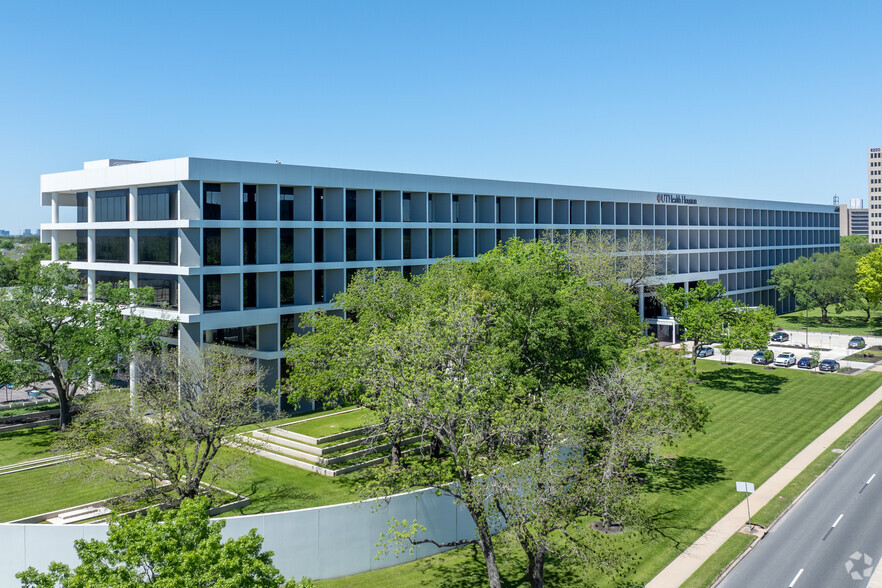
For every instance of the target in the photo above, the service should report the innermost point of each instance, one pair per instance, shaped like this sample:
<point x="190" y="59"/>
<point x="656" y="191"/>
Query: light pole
<point x="806" y="327"/>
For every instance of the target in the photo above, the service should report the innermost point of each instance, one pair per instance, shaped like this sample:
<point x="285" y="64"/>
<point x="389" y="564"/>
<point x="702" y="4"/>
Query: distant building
<point x="854" y="219"/>
<point x="4" y="233"/>
<point x="27" y="233"/>
<point x="874" y="184"/>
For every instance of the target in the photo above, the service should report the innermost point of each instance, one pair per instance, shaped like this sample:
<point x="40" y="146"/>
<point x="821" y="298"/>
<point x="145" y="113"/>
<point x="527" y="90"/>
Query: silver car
<point x="785" y="359"/>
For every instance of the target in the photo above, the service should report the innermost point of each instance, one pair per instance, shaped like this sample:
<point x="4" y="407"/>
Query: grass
<point x="274" y="486"/>
<point x="27" y="410"/>
<point x="853" y="322"/>
<point x="26" y="444"/>
<point x="868" y="355"/>
<point x="760" y="420"/>
<point x="43" y="490"/>
<point x="709" y="570"/>
<point x="333" y="424"/>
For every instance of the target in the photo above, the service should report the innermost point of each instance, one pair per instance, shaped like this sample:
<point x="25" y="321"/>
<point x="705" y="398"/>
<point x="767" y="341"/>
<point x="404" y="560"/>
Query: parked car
<point x="780" y="337"/>
<point x="806" y="363"/>
<point x="760" y="357"/>
<point x="785" y="359"/>
<point x="705" y="351"/>
<point x="857" y="343"/>
<point x="828" y="365"/>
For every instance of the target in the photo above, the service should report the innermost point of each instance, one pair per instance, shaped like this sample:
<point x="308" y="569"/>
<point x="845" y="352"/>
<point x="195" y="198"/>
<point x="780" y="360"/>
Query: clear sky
<point x="757" y="99"/>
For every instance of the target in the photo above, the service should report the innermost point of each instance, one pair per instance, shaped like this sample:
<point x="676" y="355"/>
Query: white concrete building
<point x="237" y="251"/>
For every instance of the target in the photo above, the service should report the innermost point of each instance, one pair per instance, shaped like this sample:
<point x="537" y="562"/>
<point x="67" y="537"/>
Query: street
<point x="832" y="536"/>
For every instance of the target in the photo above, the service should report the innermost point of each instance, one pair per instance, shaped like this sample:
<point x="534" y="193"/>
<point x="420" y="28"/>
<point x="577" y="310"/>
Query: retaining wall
<point x="322" y="542"/>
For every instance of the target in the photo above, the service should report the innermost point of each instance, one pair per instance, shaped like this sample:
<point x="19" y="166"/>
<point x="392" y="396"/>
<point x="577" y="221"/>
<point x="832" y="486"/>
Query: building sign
<point x="675" y="199"/>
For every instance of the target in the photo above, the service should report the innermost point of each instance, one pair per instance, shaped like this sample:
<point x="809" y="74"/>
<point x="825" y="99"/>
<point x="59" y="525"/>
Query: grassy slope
<point x="333" y="424"/>
<point x="26" y="444"/>
<point x="761" y="419"/>
<point x="853" y="322"/>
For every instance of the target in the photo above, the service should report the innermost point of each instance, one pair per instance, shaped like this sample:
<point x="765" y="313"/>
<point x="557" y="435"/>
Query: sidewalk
<point x="679" y="570"/>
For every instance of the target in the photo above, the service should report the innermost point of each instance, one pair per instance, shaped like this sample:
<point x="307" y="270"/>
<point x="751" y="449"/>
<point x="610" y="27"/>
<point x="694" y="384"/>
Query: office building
<point x="874" y="192"/>
<point x="237" y="251"/>
<point x="854" y="219"/>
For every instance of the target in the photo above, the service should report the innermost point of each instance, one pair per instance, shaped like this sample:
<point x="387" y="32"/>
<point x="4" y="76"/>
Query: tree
<point x="47" y="331"/>
<point x="478" y="356"/>
<point x="707" y="315"/>
<point x="631" y="262"/>
<point x="177" y="548"/>
<point x="869" y="271"/>
<point x="169" y="432"/>
<point x="855" y="245"/>
<point x="819" y="281"/>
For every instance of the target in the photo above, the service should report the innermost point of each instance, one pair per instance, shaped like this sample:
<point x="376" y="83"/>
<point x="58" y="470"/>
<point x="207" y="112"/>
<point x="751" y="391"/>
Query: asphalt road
<point x="832" y="537"/>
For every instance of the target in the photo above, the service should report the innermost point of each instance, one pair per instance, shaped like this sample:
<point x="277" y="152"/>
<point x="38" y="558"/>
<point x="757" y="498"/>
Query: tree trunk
<point x="824" y="318"/>
<point x="536" y="568"/>
<point x="868" y="314"/>
<point x="434" y="447"/>
<point x="485" y="540"/>
<point x="396" y="451"/>
<point x="64" y="416"/>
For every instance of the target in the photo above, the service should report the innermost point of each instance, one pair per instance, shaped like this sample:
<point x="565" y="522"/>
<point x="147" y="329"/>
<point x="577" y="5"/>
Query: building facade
<point x="237" y="251"/>
<point x="874" y="192"/>
<point x="854" y="219"/>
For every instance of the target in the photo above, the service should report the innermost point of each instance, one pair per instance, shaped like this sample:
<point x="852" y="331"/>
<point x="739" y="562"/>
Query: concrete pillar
<point x="133" y="246"/>
<point x="55" y="212"/>
<point x="133" y="208"/>
<point x="641" y="302"/>
<point x="54" y="246"/>
<point x="90" y="206"/>
<point x="90" y="246"/>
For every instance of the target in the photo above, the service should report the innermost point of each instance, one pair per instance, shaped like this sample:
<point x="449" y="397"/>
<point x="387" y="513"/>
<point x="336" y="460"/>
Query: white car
<point x="786" y="359"/>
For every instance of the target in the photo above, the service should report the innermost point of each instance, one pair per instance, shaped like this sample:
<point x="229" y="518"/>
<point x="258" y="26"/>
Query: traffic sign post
<point x="747" y="488"/>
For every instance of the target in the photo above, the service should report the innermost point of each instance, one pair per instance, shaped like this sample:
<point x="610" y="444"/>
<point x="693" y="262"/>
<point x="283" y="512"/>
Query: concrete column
<point x="90" y="285"/>
<point x="90" y="246"/>
<point x="133" y="208"/>
<point x="133" y="246"/>
<point x="90" y="206"/>
<point x="55" y="212"/>
<point x="640" y="302"/>
<point x="54" y="246"/>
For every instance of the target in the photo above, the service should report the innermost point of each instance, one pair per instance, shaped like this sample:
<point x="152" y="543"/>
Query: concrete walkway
<point x="679" y="570"/>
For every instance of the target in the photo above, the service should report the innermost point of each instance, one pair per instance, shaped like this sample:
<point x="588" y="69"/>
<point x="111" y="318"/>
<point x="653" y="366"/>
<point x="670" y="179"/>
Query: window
<point x="158" y="246"/>
<point x="211" y="246"/>
<point x="165" y="288"/>
<point x="82" y="207"/>
<point x="211" y="292"/>
<point x="286" y="203"/>
<point x="249" y="246"/>
<point x="249" y="202"/>
<point x="211" y="201"/>
<point x="235" y="337"/>
<point x="286" y="288"/>
<point x="111" y="206"/>
<point x="157" y="203"/>
<point x="112" y="245"/>
<point x="249" y="290"/>
<point x="82" y="245"/>
<point x="286" y="245"/>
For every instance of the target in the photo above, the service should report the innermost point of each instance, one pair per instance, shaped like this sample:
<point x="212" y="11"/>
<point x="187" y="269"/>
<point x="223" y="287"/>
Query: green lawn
<point x="26" y="444"/>
<point x="714" y="566"/>
<point x="274" y="486"/>
<point x="852" y="322"/>
<point x="27" y="410"/>
<point x="43" y="490"/>
<point x="329" y="425"/>
<point x="760" y="420"/>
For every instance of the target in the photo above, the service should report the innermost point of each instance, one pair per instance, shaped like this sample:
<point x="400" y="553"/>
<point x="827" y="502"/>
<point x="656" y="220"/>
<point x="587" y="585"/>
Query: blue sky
<point x="767" y="100"/>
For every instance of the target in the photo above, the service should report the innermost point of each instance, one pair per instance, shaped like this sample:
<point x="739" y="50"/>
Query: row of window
<point x="154" y="203"/>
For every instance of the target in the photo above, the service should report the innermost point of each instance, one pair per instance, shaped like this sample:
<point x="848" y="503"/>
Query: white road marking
<point x="795" y="578"/>
<point x="839" y="518"/>
<point x="870" y="480"/>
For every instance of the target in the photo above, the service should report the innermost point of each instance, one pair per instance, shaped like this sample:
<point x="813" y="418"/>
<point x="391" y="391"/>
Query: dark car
<point x="760" y="358"/>
<point x="705" y="351"/>
<point x="780" y="337"/>
<point x="828" y="365"/>
<point x="857" y="343"/>
<point x="805" y="363"/>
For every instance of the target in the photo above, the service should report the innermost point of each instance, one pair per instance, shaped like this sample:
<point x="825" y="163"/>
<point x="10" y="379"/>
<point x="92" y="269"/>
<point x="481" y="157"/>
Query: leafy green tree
<point x="815" y="354"/>
<point x="855" y="245"/>
<point x="819" y="281"/>
<point x="48" y="332"/>
<point x="193" y="403"/>
<point x="178" y="548"/>
<point x="869" y="271"/>
<point x="6" y="244"/>
<point x="707" y="315"/>
<point x="478" y="356"/>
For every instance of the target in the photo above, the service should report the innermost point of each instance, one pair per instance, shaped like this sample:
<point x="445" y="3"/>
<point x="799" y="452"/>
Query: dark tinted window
<point x="158" y="203"/>
<point x="111" y="206"/>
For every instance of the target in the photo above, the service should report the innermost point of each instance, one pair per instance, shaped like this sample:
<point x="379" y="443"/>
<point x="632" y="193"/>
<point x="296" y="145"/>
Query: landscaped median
<point x="760" y="420"/>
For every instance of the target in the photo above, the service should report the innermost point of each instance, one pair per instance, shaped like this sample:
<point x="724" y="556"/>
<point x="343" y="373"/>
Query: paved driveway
<point x="832" y="346"/>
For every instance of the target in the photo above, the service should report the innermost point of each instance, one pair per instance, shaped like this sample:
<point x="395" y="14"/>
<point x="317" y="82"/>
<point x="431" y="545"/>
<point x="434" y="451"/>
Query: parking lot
<point x="832" y="346"/>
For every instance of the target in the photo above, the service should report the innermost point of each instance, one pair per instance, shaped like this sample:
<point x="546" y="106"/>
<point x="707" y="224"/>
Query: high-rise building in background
<point x="854" y="218"/>
<point x="874" y="184"/>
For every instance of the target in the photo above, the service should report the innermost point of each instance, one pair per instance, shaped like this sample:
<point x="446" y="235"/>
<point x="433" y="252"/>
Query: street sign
<point x="744" y="487"/>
